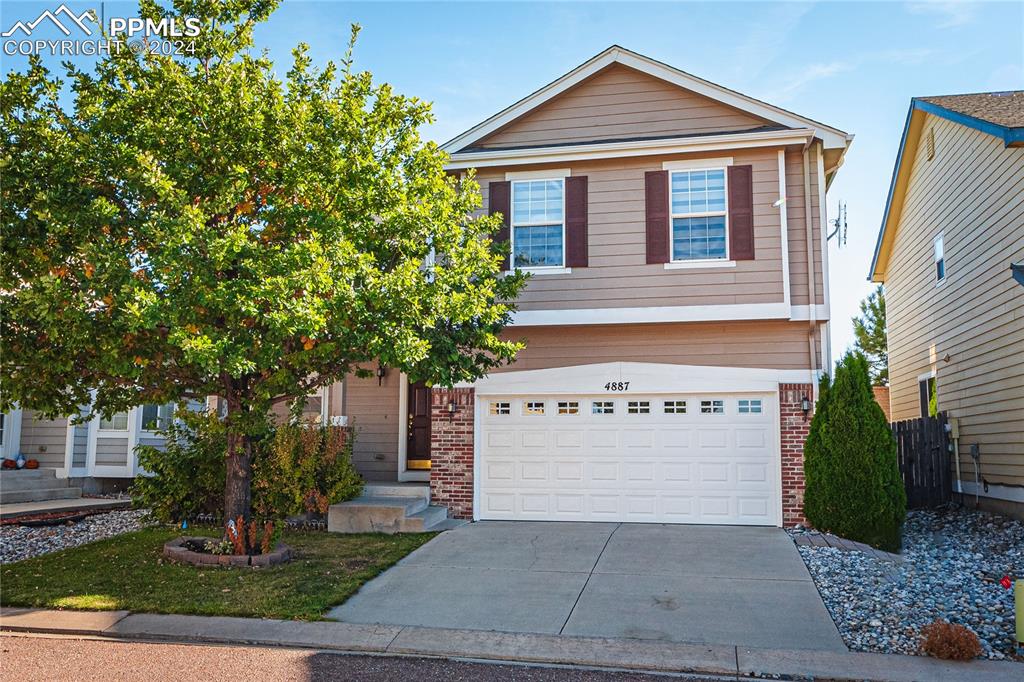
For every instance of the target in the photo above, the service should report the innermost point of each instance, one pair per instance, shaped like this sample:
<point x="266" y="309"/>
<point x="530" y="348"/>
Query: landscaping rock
<point x="953" y="561"/>
<point x="23" y="542"/>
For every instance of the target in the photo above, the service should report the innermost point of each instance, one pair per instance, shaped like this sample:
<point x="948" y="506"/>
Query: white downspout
<point x="812" y="293"/>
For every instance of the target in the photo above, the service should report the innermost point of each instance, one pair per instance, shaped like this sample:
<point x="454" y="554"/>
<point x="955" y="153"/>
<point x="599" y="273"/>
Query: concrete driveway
<point x="734" y="585"/>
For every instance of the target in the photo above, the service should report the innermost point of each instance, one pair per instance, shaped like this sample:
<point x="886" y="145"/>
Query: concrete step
<point x="80" y="504"/>
<point x="424" y="520"/>
<point x="373" y="514"/>
<point x="397" y="490"/>
<point x="14" y="483"/>
<point x="18" y="496"/>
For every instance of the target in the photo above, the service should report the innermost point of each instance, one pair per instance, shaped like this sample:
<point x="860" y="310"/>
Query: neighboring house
<point x="676" y="321"/>
<point x="953" y="226"/>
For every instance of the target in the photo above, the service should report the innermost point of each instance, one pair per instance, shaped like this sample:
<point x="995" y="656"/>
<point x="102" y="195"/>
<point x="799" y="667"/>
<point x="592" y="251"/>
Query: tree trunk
<point x="237" y="484"/>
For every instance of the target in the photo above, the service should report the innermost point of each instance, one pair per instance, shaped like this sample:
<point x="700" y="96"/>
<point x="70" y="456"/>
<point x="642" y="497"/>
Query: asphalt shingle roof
<point x="1001" y="108"/>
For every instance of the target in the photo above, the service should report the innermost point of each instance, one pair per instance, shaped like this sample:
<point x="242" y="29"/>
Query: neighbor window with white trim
<point x="157" y="417"/>
<point x="698" y="208"/>
<point x="117" y="422"/>
<point x="538" y="225"/>
<point x="940" y="260"/>
<point x="749" y="407"/>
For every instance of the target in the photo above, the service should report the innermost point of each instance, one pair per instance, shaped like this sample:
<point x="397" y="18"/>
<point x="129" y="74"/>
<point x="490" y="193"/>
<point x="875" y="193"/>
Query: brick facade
<point x="451" y="451"/>
<point x="794" y="428"/>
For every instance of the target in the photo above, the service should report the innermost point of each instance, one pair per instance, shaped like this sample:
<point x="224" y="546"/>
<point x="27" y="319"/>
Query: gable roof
<point x="1000" y="114"/>
<point x="833" y="138"/>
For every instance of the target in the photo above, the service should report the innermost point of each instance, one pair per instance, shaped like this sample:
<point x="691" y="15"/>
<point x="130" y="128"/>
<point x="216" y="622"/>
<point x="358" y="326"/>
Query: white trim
<point x="995" y="491"/>
<point x="695" y="264"/>
<point x="823" y="228"/>
<point x="696" y="164"/>
<point x="784" y="227"/>
<point x="803" y="312"/>
<point x="550" y="174"/>
<point x="90" y="443"/>
<point x="926" y="375"/>
<point x="545" y="177"/>
<point x="553" y="270"/>
<point x="477" y="421"/>
<point x="828" y="347"/>
<point x="403" y="434"/>
<point x="833" y="137"/>
<point x="705" y="214"/>
<point x="683" y="313"/>
<point x="134" y="431"/>
<point x="613" y="150"/>
<point x="644" y="378"/>
<point x="12" y="434"/>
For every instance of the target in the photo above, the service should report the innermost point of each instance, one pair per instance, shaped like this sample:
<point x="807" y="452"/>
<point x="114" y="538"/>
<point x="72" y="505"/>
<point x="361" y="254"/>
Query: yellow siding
<point x="973" y="193"/>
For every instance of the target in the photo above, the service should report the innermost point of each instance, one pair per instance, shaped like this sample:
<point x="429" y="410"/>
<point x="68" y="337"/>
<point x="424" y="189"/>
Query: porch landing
<point x="390" y="508"/>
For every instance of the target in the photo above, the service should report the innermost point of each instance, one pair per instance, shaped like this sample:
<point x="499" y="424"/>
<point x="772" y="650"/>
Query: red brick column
<point x="451" y="451"/>
<point x="795" y="426"/>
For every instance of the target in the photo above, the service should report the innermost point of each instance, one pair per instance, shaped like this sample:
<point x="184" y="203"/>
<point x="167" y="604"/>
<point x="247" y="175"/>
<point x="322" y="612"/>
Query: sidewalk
<point x="629" y="654"/>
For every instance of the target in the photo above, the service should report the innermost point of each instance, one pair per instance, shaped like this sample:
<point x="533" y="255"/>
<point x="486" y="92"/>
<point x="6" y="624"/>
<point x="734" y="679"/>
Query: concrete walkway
<point x="78" y="504"/>
<point x="732" y="585"/>
<point x="626" y="654"/>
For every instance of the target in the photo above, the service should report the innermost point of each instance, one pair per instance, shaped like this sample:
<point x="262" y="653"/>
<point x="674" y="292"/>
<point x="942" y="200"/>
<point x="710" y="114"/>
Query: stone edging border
<point x="174" y="551"/>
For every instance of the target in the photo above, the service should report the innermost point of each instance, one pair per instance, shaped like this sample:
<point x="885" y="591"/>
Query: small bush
<point x="951" y="641"/>
<point x="297" y="469"/>
<point x="853" y="484"/>
<point x="186" y="478"/>
<point x="304" y="469"/>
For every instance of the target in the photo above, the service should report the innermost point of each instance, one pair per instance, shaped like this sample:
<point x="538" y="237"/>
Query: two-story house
<point x="676" y="319"/>
<point x="953" y="227"/>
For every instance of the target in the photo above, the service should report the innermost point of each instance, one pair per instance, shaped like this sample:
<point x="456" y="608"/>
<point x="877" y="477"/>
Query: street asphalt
<point x="62" y="659"/>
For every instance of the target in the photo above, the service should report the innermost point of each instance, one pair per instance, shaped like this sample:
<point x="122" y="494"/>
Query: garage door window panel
<point x="602" y="407"/>
<point x="533" y="408"/>
<point x="638" y="407"/>
<point x="749" y="407"/>
<point x="568" y="407"/>
<point x="675" y="407"/>
<point x="498" y="408"/>
<point x="712" y="407"/>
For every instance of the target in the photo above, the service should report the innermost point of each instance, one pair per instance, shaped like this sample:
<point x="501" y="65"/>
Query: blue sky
<point x="849" y="64"/>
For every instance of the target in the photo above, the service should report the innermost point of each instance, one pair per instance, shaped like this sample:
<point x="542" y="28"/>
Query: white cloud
<point x="807" y="75"/>
<point x="947" y="14"/>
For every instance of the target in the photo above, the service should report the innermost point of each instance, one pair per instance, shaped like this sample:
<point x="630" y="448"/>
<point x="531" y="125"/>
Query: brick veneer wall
<point x="451" y="451"/>
<point x="795" y="426"/>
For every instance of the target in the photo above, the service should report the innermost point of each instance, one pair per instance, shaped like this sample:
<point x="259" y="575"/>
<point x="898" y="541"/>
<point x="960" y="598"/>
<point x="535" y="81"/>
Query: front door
<point x="418" y="453"/>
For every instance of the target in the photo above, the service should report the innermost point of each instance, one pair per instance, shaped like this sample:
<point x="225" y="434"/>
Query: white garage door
<point x="638" y="458"/>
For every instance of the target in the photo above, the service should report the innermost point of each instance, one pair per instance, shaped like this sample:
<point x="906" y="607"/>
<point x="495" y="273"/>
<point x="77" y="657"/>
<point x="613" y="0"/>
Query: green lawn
<point x="129" y="572"/>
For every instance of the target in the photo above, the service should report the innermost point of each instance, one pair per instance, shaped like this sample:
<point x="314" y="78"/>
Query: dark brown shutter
<point x="576" y="221"/>
<point x="500" y="201"/>
<point x="656" y="203"/>
<point x="741" y="212"/>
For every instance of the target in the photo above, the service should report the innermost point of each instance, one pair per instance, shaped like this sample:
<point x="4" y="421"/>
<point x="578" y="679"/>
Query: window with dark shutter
<point x="500" y="201"/>
<point x="656" y="207"/>
<point x="576" y="221"/>
<point x="741" y="213"/>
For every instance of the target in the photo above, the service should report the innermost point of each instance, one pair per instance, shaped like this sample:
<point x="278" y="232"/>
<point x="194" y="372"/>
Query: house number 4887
<point x="617" y="386"/>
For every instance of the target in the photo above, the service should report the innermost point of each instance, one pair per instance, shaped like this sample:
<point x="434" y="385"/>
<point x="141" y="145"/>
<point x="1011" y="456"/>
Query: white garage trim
<point x="643" y="377"/>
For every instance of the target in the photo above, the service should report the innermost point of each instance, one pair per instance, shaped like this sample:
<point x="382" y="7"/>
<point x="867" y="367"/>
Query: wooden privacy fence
<point x="922" y="449"/>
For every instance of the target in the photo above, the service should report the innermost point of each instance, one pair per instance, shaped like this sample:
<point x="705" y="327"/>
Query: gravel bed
<point x="24" y="542"/>
<point x="953" y="563"/>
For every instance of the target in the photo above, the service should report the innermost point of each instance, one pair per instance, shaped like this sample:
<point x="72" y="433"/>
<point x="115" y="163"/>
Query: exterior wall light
<point x="381" y="373"/>
<point x="452" y="408"/>
<point x="805" y="405"/>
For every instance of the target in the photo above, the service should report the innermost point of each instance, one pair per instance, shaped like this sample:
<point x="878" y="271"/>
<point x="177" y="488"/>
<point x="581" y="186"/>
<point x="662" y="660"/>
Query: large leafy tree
<point x="179" y="227"/>
<point x="870" y="336"/>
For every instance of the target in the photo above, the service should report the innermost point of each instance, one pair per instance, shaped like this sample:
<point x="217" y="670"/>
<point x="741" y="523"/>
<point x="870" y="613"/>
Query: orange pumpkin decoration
<point x="32" y="464"/>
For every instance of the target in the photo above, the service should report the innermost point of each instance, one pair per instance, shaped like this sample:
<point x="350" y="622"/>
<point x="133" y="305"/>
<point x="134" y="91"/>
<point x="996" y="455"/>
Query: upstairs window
<point x="117" y="422"/>
<point x="940" y="260"/>
<point x="698" y="206"/>
<point x="538" y="225"/>
<point x="157" y="417"/>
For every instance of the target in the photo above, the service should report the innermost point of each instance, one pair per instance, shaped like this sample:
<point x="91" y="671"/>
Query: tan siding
<point x="618" y="276"/>
<point x="619" y="103"/>
<point x="778" y="345"/>
<point x="43" y="439"/>
<point x="373" y="411"/>
<point x="111" y="451"/>
<point x="970" y="192"/>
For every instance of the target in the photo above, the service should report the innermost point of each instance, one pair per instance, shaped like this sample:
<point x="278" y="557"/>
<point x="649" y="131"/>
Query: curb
<point x="591" y="652"/>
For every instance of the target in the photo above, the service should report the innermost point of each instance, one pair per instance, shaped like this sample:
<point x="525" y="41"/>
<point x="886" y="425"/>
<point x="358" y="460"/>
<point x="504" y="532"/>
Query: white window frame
<point x="712" y="406"/>
<point x="675" y="169"/>
<point x="638" y="407"/>
<point x="674" y="407"/>
<point x="518" y="178"/>
<point x="142" y="415"/>
<point x="499" y="408"/>
<point x="567" y="407"/>
<point x="749" y="407"/>
<point x="529" y="411"/>
<point x="604" y="405"/>
<point x="120" y="432"/>
<point x="939" y="254"/>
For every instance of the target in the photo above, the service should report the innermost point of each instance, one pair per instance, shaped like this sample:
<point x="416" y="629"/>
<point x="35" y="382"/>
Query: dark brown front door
<point x="418" y="452"/>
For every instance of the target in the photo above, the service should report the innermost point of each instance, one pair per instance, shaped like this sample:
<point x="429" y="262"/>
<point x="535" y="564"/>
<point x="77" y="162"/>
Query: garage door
<point x="638" y="458"/>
